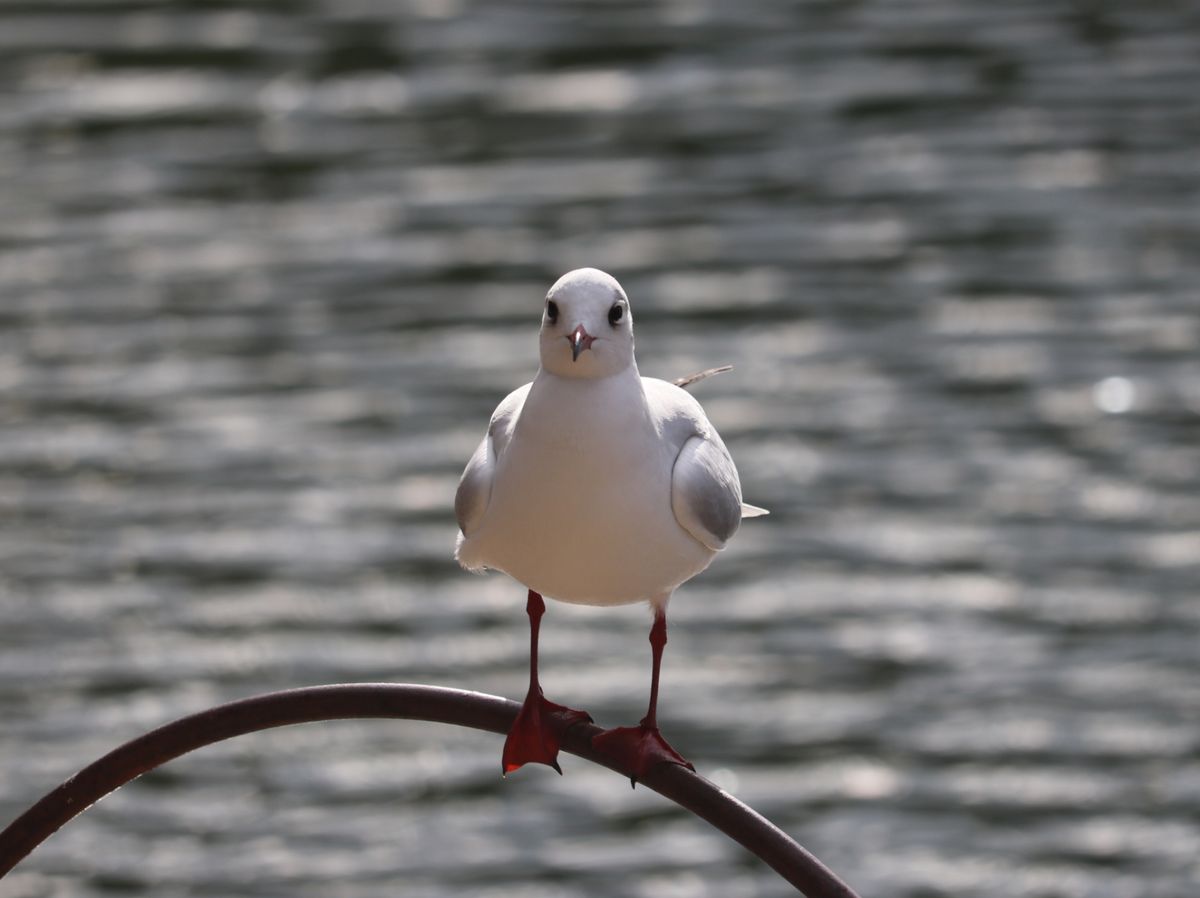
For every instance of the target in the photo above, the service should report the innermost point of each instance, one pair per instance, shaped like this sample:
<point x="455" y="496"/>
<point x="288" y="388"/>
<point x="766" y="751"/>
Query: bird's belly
<point x="588" y="534"/>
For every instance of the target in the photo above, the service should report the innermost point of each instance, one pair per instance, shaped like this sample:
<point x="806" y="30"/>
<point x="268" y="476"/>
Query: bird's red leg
<point x="536" y="733"/>
<point x="641" y="747"/>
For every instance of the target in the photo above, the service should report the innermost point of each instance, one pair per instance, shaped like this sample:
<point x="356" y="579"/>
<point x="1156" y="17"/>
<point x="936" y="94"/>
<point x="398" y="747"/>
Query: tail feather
<point x="686" y="382"/>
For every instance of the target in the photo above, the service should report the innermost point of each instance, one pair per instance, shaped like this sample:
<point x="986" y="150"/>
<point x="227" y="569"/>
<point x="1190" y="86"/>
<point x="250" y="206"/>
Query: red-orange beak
<point x="580" y="340"/>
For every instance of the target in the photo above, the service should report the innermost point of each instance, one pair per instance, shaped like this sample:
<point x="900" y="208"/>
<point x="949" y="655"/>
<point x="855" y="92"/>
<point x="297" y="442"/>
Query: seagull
<point x="596" y="486"/>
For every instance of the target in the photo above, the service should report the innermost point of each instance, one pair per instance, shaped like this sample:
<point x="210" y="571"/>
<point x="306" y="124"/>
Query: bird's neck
<point x="571" y="409"/>
<point x="624" y="379"/>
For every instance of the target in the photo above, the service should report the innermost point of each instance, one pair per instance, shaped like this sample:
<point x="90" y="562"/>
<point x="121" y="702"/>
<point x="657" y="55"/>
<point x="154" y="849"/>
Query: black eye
<point x="615" y="313"/>
<point x="551" y="311"/>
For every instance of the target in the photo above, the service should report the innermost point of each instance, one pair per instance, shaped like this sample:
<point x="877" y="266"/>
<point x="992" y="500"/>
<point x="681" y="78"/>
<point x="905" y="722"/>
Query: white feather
<point x="595" y="485"/>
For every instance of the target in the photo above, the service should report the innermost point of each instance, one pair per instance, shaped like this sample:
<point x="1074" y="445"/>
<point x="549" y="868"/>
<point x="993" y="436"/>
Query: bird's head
<point x="587" y="326"/>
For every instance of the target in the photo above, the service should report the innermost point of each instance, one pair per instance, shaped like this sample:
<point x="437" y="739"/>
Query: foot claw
<point x="638" y="749"/>
<point x="537" y="733"/>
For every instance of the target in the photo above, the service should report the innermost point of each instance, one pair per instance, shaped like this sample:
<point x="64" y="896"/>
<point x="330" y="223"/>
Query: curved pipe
<point x="391" y="700"/>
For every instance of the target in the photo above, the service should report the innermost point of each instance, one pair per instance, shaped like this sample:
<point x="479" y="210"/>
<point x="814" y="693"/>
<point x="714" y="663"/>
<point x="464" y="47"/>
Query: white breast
<point x="580" y="507"/>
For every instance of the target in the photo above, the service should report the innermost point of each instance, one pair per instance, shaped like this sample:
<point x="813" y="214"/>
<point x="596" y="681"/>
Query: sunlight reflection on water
<point x="267" y="269"/>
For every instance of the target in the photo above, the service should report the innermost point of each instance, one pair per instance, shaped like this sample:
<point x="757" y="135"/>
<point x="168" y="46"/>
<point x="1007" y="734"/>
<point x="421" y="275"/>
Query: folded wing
<point x="706" y="495"/>
<point x="475" y="487"/>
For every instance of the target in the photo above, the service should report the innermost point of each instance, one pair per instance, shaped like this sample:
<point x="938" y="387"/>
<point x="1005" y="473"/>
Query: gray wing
<point x="748" y="511"/>
<point x="706" y="495"/>
<point x="475" y="487"/>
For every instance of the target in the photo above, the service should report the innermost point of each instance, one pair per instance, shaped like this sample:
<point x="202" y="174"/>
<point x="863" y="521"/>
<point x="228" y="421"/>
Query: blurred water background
<point x="266" y="267"/>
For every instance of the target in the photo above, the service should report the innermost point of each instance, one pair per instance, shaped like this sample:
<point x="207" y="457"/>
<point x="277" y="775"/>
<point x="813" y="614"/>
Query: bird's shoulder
<point x="676" y="412"/>
<point x="505" y="417"/>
